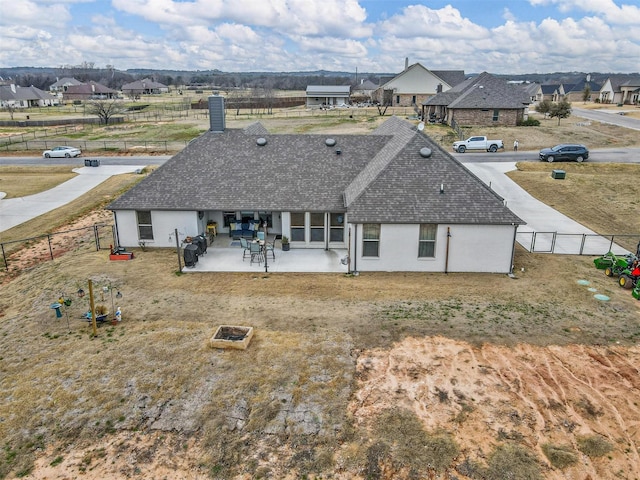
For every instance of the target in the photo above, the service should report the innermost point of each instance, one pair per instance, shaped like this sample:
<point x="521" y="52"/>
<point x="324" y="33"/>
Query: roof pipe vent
<point x="261" y="142"/>
<point x="338" y="152"/>
<point x="330" y="142"/>
<point x="425" y="152"/>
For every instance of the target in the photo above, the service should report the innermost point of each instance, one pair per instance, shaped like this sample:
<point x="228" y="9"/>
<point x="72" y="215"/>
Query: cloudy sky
<point x="499" y="36"/>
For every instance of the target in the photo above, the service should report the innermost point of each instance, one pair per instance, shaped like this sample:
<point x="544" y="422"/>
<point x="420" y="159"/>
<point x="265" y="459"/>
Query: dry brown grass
<point x="603" y="197"/>
<point x="282" y="406"/>
<point x="21" y="180"/>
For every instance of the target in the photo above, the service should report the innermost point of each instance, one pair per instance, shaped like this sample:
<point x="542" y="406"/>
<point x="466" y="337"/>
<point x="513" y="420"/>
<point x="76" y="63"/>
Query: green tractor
<point x="629" y="277"/>
<point x="614" y="265"/>
<point x="636" y="291"/>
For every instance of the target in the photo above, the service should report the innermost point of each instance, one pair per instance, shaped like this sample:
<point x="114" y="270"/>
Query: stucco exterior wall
<point x="399" y="249"/>
<point x="164" y="224"/>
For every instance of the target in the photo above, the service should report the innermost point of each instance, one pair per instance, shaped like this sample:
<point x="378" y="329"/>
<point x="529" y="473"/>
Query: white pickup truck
<point x="477" y="143"/>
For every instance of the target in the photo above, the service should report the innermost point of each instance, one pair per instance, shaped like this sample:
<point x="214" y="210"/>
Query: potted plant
<point x="285" y="243"/>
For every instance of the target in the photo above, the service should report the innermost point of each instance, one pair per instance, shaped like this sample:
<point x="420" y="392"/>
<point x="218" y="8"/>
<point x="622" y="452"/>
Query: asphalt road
<point x="605" y="155"/>
<point x="609" y="116"/>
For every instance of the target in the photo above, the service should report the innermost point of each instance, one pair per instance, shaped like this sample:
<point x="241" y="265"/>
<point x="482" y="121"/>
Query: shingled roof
<point x="483" y="91"/>
<point x="381" y="177"/>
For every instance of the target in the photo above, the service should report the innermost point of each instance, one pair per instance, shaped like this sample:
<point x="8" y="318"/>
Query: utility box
<point x="558" y="174"/>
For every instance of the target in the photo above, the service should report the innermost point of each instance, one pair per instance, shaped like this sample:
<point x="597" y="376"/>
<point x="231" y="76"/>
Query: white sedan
<point x="59" y="152"/>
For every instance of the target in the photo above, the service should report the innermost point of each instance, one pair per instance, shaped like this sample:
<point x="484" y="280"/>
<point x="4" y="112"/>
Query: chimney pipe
<point x="406" y="63"/>
<point x="216" y="114"/>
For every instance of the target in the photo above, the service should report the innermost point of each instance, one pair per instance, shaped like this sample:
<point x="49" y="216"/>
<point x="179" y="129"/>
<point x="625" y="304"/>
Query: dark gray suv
<point x="564" y="151"/>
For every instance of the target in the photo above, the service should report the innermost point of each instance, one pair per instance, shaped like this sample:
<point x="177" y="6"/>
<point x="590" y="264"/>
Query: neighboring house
<point x="393" y="198"/>
<point x="576" y="92"/>
<point x="328" y="95"/>
<point x="482" y="100"/>
<point x="533" y="91"/>
<point x="549" y="91"/>
<point x="144" y="87"/>
<point x="364" y="89"/>
<point x="25" y="97"/>
<point x="415" y="85"/>
<point x="621" y="90"/>
<point x="62" y="84"/>
<point x="88" y="91"/>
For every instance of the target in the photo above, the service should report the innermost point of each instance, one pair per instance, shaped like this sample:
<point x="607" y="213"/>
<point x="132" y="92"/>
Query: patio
<point x="225" y="255"/>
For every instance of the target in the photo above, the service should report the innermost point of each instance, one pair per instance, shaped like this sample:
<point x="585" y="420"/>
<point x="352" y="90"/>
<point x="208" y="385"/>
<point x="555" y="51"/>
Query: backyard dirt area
<point x="377" y="376"/>
<point x="386" y="376"/>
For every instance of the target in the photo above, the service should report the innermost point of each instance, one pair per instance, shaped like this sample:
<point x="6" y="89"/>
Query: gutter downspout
<point x="446" y="258"/>
<point x="116" y="234"/>
<point x="513" y="247"/>
<point x="355" y="249"/>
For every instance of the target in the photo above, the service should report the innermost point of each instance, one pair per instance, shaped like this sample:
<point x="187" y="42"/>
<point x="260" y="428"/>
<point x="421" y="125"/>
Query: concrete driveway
<point x="14" y="211"/>
<point x="551" y="230"/>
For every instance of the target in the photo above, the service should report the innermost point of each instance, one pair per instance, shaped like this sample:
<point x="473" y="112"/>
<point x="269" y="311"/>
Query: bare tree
<point x="105" y="109"/>
<point x="11" y="108"/>
<point x="586" y="93"/>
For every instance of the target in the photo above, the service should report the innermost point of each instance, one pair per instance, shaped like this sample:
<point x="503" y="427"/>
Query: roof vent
<point x="330" y="142"/>
<point x="261" y="142"/>
<point x="338" y="152"/>
<point x="425" y="152"/>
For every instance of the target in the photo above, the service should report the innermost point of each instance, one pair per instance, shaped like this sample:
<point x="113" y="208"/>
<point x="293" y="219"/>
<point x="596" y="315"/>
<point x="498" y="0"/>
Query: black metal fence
<point x="47" y="247"/>
<point x="578" y="243"/>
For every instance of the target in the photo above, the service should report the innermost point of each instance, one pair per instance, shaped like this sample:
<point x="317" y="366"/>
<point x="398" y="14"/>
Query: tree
<point x="586" y="93"/>
<point x="544" y="107"/>
<point x="11" y="108"/>
<point x="105" y="109"/>
<point x="562" y="109"/>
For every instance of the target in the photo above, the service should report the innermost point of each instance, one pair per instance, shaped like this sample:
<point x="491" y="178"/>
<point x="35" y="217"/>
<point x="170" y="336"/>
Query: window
<point x="397" y="99"/>
<point x="427" y="242"/>
<point x="336" y="229"/>
<point x="297" y="226"/>
<point x="371" y="240"/>
<point x="496" y="114"/>
<point x="228" y="217"/>
<point x="413" y="100"/>
<point x="317" y="227"/>
<point x="145" y="229"/>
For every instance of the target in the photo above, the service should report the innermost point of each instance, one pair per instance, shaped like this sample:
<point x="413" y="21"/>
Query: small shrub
<point x="514" y="462"/>
<point x="560" y="456"/>
<point x="594" y="446"/>
<point x="529" y="122"/>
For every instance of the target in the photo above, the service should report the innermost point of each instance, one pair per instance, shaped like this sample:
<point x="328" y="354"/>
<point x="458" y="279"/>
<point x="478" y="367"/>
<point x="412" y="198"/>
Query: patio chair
<point x="260" y="236"/>
<point x="269" y="248"/>
<point x="246" y="252"/>
<point x="256" y="252"/>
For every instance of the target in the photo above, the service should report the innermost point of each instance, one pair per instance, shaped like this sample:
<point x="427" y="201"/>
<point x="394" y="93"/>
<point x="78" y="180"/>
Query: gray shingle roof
<point x="483" y="91"/>
<point x="381" y="176"/>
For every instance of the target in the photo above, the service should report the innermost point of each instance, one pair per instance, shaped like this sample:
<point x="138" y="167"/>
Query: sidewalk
<point x="14" y="211"/>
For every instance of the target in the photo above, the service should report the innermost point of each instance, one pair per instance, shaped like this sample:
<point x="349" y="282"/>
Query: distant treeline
<point x="42" y="78"/>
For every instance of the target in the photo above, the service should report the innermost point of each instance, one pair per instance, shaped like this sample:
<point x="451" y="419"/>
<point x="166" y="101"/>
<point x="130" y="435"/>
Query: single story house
<point x="144" y="87"/>
<point x="61" y="84"/>
<point x="576" y="92"/>
<point x="364" y="90"/>
<point x="416" y="84"/>
<point x="620" y="89"/>
<point x="88" y="91"/>
<point x="393" y="199"/>
<point x="482" y="100"/>
<point x="16" y="96"/>
<point x="328" y="95"/>
<point x="533" y="91"/>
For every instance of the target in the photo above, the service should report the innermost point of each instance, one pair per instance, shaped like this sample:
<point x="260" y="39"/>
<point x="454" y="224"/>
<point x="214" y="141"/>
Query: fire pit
<point x="228" y="336"/>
